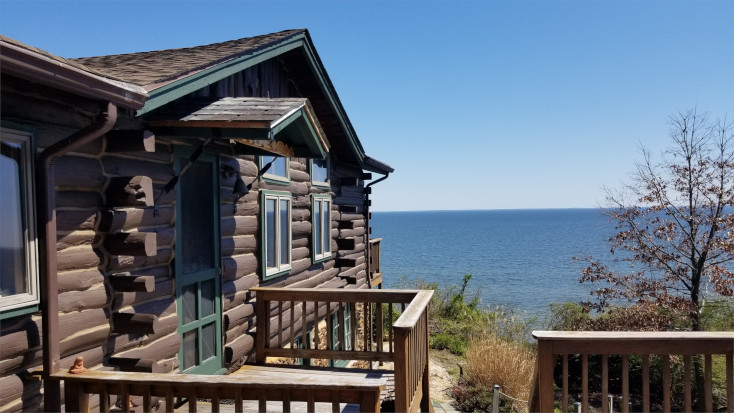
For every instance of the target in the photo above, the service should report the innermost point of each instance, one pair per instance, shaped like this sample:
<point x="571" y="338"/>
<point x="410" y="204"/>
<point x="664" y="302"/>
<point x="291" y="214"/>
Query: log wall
<point x="115" y="248"/>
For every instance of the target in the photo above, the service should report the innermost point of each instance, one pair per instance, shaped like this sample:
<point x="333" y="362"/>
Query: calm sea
<point x="519" y="259"/>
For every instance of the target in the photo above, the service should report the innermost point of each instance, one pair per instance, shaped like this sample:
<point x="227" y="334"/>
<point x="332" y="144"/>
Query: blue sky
<point x="477" y="104"/>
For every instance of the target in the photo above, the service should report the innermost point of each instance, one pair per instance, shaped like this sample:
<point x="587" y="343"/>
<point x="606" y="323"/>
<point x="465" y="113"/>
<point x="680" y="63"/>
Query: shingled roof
<point x="157" y="68"/>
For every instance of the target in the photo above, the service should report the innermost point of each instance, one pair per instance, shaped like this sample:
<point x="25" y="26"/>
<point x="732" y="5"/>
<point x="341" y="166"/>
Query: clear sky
<point x="476" y="104"/>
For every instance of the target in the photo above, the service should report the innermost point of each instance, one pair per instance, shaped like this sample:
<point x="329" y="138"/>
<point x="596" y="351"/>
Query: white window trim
<point x="278" y="179"/>
<point x="17" y="301"/>
<point x="325" y="214"/>
<point x="279" y="268"/>
<point x="324" y="184"/>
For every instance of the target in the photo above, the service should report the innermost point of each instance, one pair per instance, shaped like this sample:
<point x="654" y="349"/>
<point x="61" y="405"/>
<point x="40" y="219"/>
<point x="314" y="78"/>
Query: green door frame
<point x="198" y="281"/>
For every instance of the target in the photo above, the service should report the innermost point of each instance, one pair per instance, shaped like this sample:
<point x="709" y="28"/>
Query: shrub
<point x="492" y="360"/>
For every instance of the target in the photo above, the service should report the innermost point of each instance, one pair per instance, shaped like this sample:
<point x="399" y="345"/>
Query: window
<point x="279" y="172"/>
<point x="341" y="333"/>
<point x="18" y="251"/>
<point x="320" y="172"/>
<point x="275" y="210"/>
<point x="321" y="227"/>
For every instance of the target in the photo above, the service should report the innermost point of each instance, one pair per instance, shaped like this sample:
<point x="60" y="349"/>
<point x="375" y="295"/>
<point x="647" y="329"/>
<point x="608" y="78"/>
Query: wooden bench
<point x="252" y="382"/>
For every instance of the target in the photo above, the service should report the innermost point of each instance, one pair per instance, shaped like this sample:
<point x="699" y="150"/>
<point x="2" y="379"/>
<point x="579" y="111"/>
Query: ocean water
<point x="519" y="259"/>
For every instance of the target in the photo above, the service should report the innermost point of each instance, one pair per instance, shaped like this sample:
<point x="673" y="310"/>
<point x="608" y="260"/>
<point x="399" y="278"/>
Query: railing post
<point x="262" y="334"/>
<point x="402" y="392"/>
<point x="545" y="375"/>
<point x="496" y="398"/>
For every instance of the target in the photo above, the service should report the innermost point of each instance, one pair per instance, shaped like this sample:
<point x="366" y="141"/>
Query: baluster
<point x="169" y="399"/>
<point x="645" y="383"/>
<point x="124" y="397"/>
<point x="317" y="336"/>
<point x="304" y="327"/>
<point x="585" y="382"/>
<point x="340" y="317"/>
<point x="238" y="400"/>
<point x="215" y="401"/>
<point x="310" y="404"/>
<point x="286" y="401"/>
<point x="687" y="383"/>
<point x="353" y="321"/>
<point x="666" y="382"/>
<point x="146" y="399"/>
<point x="191" y="395"/>
<point x="280" y="324"/>
<point x="625" y="384"/>
<point x="379" y="328"/>
<point x="564" y="396"/>
<point x="390" y="342"/>
<point x="604" y="383"/>
<point x="707" y="385"/>
<point x="293" y="324"/>
<point x="329" y="342"/>
<point x="104" y="399"/>
<point x="730" y="381"/>
<point x="335" y="407"/>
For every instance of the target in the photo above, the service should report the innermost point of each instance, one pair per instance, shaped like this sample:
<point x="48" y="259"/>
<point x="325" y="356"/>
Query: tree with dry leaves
<point x="674" y="228"/>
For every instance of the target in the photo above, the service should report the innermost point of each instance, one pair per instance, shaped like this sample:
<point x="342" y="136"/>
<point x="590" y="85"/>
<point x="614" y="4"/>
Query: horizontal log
<point x="238" y="266"/>
<point x="238" y="314"/>
<point x="244" y="244"/>
<point x="161" y="307"/>
<point x="130" y="262"/>
<point x="300" y="253"/>
<point x="115" y="165"/>
<point x="134" y="218"/>
<point x="351" y="233"/>
<point x="239" y="225"/>
<point x="79" y="279"/>
<point x="82" y="320"/>
<point x="130" y="191"/>
<point x="162" y="289"/>
<point x="75" y="340"/>
<point x="134" y="323"/>
<point x="131" y="243"/>
<point x="348" y="216"/>
<point x="95" y="297"/>
<point x="301" y="214"/>
<point x="318" y="279"/>
<point x="352" y="272"/>
<point x="66" y="240"/>
<point x="75" y="220"/>
<point x="77" y="258"/>
<point x="244" y="208"/>
<point x="78" y="172"/>
<point x="234" y="292"/>
<point x="11" y="389"/>
<point x="76" y="198"/>
<point x="349" y="280"/>
<point x="131" y="140"/>
<point x="164" y="348"/>
<point x="300" y="176"/>
<point x="299" y="188"/>
<point x="127" y="282"/>
<point x="14" y="343"/>
<point x="238" y="348"/>
<point x="116" y="344"/>
<point x="299" y="229"/>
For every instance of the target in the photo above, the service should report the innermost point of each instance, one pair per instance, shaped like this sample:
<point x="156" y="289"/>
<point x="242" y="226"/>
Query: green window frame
<point x="339" y="341"/>
<point x="279" y="172"/>
<point x="320" y="173"/>
<point x="275" y="233"/>
<point x="320" y="227"/>
<point x="19" y="286"/>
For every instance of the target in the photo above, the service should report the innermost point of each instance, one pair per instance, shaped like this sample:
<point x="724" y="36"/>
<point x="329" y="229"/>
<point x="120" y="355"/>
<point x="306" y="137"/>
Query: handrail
<point x="295" y="311"/>
<point x="552" y="344"/>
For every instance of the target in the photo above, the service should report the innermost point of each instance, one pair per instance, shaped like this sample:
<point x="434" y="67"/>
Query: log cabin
<point x="148" y="196"/>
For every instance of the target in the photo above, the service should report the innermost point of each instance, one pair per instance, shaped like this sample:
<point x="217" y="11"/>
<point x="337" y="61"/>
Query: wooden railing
<point x="375" y="271"/>
<point x="292" y="312"/>
<point x="619" y="347"/>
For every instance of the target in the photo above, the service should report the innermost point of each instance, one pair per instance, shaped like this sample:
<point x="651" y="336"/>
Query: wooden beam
<point x="131" y="243"/>
<point x="134" y="323"/>
<point x="345" y="262"/>
<point x="349" y="181"/>
<point x="276" y="147"/>
<point x="124" y="191"/>
<point x="346" y="243"/>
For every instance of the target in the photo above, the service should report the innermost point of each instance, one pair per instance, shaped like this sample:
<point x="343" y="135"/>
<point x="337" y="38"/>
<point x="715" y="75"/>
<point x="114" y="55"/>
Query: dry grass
<point x="491" y="360"/>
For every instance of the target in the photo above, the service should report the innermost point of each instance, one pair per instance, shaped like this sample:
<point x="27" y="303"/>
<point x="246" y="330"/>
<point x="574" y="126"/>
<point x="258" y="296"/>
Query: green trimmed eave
<point x="193" y="82"/>
<point x="296" y="132"/>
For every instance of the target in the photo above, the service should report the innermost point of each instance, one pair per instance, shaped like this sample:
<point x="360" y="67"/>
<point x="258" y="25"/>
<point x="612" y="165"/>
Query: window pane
<point x="207" y="298"/>
<point x="277" y="168"/>
<point x="190" y="350"/>
<point x="327" y="226"/>
<point x="197" y="210"/>
<point x="270" y="232"/>
<point x="317" y="240"/>
<point x="319" y="170"/>
<point x="285" y="228"/>
<point x="208" y="341"/>
<point x="12" y="242"/>
<point x="188" y="302"/>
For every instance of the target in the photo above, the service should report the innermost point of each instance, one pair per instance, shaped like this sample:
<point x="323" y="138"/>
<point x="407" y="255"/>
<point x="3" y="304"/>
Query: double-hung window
<point x="321" y="227"/>
<point x="320" y="172"/>
<point x="276" y="233"/>
<point x="279" y="171"/>
<point x="18" y="250"/>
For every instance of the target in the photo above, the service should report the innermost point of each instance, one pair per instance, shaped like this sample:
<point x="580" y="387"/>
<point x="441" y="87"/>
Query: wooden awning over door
<point x="281" y="126"/>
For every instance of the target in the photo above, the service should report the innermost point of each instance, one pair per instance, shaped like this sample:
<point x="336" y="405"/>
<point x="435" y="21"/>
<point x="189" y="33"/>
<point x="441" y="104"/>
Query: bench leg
<point x="369" y="402"/>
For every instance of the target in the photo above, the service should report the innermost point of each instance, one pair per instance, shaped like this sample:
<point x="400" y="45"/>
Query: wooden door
<point x="197" y="266"/>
